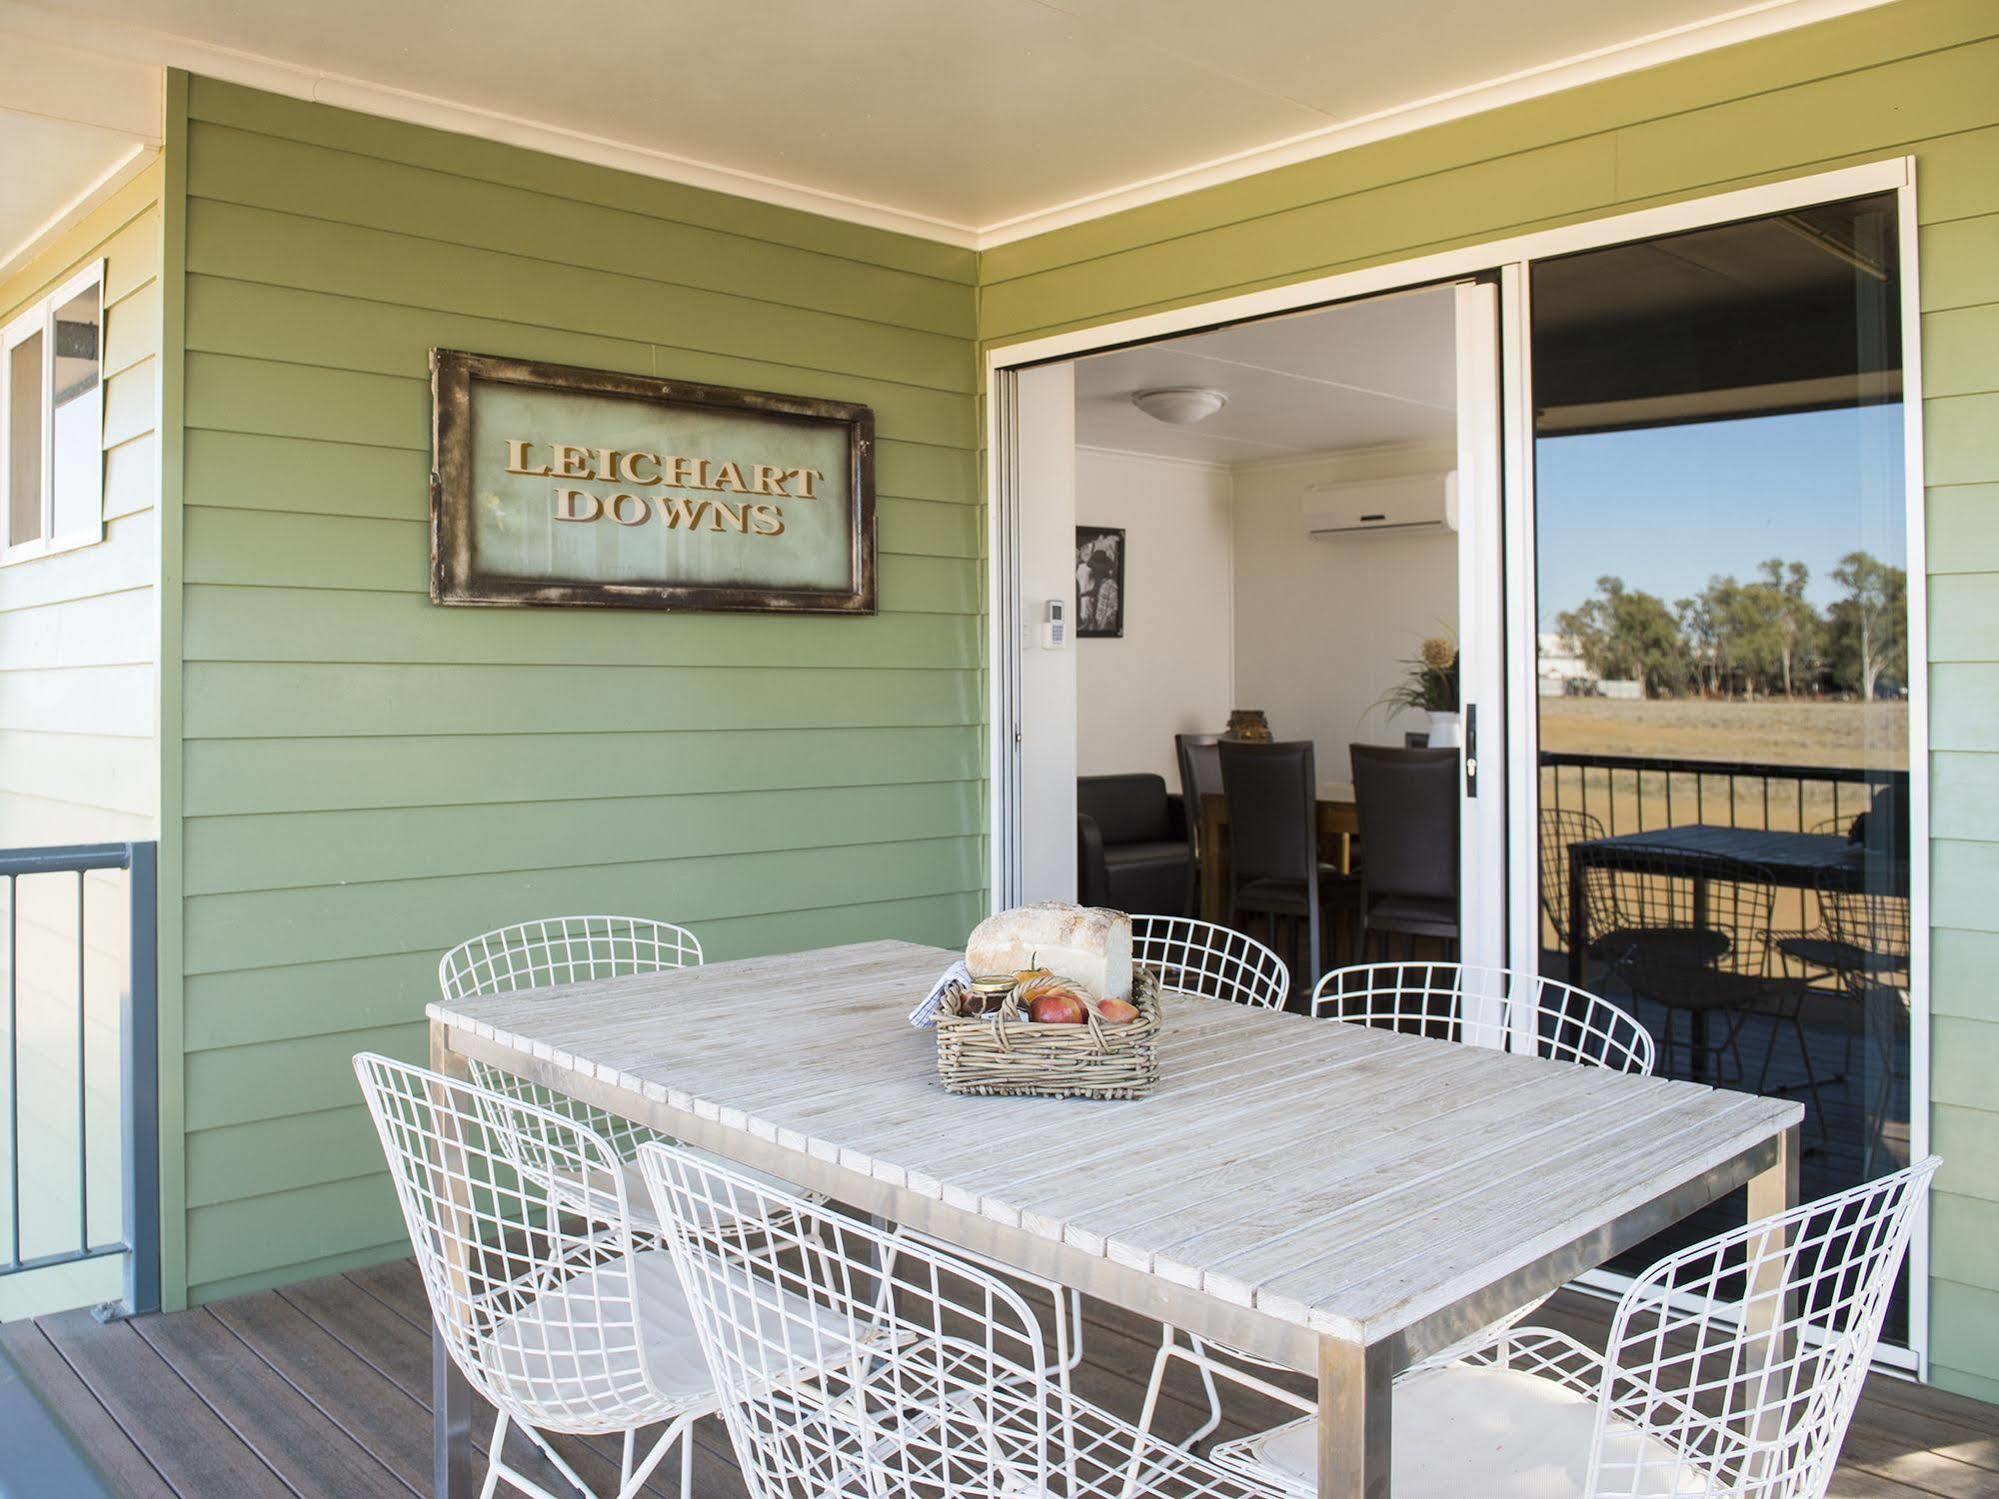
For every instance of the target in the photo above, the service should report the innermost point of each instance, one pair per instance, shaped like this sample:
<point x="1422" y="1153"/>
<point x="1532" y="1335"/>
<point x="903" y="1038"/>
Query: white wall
<point x="1323" y="628"/>
<point x="1171" y="672"/>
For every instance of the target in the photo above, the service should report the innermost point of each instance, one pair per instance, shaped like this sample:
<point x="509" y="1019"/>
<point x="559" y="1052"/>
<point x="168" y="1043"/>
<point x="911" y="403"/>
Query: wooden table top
<point x="1348" y="1179"/>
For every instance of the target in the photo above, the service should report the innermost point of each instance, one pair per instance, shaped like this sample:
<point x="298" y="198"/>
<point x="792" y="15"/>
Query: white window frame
<point x="40" y="318"/>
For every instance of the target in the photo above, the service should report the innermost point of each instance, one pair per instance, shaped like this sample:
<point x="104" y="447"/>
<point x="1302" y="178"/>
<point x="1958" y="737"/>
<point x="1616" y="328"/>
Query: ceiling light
<point x="1181" y="405"/>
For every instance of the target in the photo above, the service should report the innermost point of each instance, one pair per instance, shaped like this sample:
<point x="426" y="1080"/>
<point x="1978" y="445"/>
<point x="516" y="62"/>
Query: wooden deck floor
<point x="321" y="1391"/>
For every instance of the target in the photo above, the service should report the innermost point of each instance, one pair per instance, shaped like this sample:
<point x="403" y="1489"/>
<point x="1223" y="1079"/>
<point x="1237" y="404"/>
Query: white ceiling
<point x="44" y="165"/>
<point x="971" y="120"/>
<point x="73" y="126"/>
<point x="1367" y="374"/>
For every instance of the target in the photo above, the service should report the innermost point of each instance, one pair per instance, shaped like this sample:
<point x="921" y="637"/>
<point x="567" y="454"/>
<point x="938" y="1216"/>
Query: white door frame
<point x="1509" y="257"/>
<point x="1481" y="626"/>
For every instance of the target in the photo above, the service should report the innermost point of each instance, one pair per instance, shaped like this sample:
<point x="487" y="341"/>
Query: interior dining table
<point x="1340" y="1199"/>
<point x="1339" y="825"/>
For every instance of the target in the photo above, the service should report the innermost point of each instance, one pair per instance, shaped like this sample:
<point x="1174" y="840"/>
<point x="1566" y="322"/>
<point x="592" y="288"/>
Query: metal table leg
<point x="1578" y="916"/>
<point x="451" y="1413"/>
<point x="450" y="1394"/>
<point x="1356" y="1387"/>
<point x="1768" y="1310"/>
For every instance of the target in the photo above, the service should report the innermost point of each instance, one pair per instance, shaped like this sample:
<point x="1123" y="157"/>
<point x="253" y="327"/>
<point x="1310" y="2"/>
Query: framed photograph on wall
<point x="1099" y="582"/>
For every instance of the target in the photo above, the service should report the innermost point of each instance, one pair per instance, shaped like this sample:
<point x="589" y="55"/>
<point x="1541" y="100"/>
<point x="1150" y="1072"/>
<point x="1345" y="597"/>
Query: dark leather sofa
<point x="1131" y="845"/>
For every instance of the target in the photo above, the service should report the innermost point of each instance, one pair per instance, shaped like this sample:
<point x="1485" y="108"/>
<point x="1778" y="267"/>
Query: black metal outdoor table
<point x="1798" y="860"/>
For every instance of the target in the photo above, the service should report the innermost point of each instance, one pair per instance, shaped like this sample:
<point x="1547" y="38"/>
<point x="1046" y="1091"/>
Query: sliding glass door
<point x="1721" y="663"/>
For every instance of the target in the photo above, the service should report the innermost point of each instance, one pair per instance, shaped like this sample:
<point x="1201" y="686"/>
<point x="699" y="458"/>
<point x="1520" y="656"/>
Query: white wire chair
<point x="547" y="1303"/>
<point x="1496" y="1007"/>
<point x="1198" y="957"/>
<point x="1732" y="1368"/>
<point x="1504" y="1008"/>
<point x="1218" y="962"/>
<point x="854" y="1363"/>
<point x="570" y="950"/>
<point x="564" y="950"/>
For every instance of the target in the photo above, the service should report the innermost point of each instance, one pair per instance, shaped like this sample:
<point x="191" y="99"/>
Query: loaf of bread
<point x="1087" y="945"/>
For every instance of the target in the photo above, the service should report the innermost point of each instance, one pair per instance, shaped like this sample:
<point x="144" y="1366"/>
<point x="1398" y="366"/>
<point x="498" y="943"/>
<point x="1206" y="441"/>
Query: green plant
<point x="1431" y="685"/>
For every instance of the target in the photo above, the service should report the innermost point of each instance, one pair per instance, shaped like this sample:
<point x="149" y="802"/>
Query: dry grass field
<point x="1804" y="734"/>
<point x="1777" y="732"/>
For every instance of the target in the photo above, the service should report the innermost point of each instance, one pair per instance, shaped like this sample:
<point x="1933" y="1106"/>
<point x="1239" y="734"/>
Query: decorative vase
<point x="1249" y="726"/>
<point x="1444" y="731"/>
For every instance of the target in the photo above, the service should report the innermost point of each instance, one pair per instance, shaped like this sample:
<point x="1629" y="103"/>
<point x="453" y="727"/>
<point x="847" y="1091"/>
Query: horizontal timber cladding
<point x="1915" y="77"/>
<point x="369" y="778"/>
<point x="79" y="755"/>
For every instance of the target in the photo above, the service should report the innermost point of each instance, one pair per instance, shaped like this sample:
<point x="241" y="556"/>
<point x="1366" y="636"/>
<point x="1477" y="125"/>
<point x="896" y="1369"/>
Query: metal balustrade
<point x="138" y="1235"/>
<point x="1636" y="793"/>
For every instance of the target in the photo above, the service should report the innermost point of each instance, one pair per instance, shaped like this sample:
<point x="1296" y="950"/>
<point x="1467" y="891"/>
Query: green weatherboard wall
<point x="368" y="778"/>
<point x="365" y="778"/>
<point x="1919" y="77"/>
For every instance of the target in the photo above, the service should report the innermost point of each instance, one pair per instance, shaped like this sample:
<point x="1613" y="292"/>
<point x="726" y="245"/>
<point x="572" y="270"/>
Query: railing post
<point x="139" y="1066"/>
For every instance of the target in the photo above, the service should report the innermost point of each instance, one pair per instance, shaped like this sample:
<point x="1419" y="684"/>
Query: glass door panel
<point x="1722" y="663"/>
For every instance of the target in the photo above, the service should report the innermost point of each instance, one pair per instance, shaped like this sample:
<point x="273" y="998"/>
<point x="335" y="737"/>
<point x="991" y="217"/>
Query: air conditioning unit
<point x="1409" y="506"/>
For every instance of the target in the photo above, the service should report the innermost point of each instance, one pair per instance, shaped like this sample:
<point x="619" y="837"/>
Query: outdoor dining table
<point x="1801" y="861"/>
<point x="1342" y="1199"/>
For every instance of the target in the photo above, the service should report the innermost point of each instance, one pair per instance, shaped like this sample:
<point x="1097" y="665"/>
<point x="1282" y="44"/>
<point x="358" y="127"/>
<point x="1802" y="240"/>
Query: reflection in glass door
<point x="1723" y="666"/>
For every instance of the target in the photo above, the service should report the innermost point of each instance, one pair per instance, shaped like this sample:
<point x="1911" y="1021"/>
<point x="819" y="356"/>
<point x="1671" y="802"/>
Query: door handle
<point x="1471" y="749"/>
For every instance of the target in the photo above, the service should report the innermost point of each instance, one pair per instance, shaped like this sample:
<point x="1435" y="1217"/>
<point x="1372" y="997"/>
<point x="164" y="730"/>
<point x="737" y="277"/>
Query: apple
<point x="1116" y="1011"/>
<point x="1058" y="1007"/>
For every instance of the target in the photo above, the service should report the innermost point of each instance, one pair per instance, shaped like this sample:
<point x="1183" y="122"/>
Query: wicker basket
<point x="1005" y="1054"/>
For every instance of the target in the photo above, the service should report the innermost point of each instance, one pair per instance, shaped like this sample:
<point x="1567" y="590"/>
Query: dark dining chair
<point x="1561" y="827"/>
<point x="1406" y="802"/>
<point x="1861" y="943"/>
<point x="1200" y="775"/>
<point x="1274" y="868"/>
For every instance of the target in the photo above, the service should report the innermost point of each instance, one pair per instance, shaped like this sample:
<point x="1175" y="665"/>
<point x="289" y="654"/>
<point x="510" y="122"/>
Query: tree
<point x="1756" y="636"/>
<point x="1735" y="629"/>
<point x="1779" y="628"/>
<point x="1797" y="622"/>
<point x="1868" y="630"/>
<point x="1624" y="633"/>
<point x="1701" y="632"/>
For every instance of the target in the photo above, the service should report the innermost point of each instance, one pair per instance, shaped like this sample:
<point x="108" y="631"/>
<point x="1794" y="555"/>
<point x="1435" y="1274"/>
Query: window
<point x="52" y="437"/>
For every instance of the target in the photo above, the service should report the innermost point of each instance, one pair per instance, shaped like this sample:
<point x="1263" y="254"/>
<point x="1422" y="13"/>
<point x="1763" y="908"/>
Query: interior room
<point x="1266" y="528"/>
<point x="1243" y="588"/>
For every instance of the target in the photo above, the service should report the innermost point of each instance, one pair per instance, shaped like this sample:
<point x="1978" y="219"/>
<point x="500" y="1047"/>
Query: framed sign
<point x="553" y="485"/>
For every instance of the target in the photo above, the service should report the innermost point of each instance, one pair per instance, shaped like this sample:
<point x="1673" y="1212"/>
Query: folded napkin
<point x="925" y="1014"/>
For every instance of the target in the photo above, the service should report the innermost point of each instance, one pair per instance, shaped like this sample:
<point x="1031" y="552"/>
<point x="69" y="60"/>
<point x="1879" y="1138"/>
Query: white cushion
<point x="565" y="1344"/>
<point x="566" y="1337"/>
<point x="1484" y="1433"/>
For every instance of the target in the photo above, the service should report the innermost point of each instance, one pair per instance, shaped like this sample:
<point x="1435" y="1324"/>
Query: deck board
<point x="291" y="1432"/>
<point x="376" y="1414"/>
<point x="326" y="1384"/>
<point x="190" y="1446"/>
